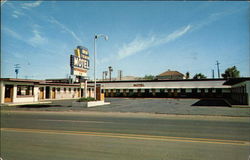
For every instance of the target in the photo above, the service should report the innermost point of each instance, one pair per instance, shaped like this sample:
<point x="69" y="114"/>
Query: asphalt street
<point x="39" y="135"/>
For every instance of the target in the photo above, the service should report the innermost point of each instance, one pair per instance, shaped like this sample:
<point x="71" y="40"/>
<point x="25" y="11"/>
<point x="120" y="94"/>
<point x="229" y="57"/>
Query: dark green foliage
<point x="85" y="99"/>
<point x="149" y="77"/>
<point x="187" y="75"/>
<point x="231" y="73"/>
<point x="199" y="76"/>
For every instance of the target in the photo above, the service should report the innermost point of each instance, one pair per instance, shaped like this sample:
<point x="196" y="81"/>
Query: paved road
<point x="112" y="136"/>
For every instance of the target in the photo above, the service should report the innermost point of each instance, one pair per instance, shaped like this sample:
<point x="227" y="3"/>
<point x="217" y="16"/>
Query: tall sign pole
<point x="94" y="66"/>
<point x="95" y="38"/>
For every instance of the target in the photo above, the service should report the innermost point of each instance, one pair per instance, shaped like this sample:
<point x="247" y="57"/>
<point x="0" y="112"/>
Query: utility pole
<point x="119" y="77"/>
<point x="218" y="68"/>
<point x="16" y="66"/>
<point x="213" y="73"/>
<point x="105" y="74"/>
<point x="110" y="70"/>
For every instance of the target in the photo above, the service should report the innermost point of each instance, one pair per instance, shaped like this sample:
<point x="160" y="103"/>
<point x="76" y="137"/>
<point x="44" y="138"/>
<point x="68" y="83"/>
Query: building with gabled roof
<point x="170" y="75"/>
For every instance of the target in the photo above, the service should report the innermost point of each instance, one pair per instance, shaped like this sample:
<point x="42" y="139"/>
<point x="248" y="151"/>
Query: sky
<point x="145" y="37"/>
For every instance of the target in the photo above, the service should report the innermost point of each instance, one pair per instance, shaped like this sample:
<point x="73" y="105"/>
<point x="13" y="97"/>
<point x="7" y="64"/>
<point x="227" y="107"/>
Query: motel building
<point x="20" y="91"/>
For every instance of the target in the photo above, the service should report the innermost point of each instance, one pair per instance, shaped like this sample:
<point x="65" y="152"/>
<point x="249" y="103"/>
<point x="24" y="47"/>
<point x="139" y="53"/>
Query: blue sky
<point x="144" y="37"/>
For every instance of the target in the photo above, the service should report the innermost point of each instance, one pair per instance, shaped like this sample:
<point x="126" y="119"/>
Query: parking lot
<point x="148" y="105"/>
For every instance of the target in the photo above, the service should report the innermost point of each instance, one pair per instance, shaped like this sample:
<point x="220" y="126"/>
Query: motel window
<point x="194" y="90"/>
<point x="183" y="90"/>
<point x="78" y="89"/>
<point x="58" y="89"/>
<point x="210" y="90"/>
<point x="65" y="89"/>
<point x="117" y="91"/>
<point x="219" y="90"/>
<point x="74" y="89"/>
<point x="69" y="89"/>
<point x="23" y="90"/>
<point x="202" y="90"/>
<point x="162" y="90"/>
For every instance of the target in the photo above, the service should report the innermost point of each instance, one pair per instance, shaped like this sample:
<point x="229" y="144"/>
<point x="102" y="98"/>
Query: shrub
<point x="86" y="99"/>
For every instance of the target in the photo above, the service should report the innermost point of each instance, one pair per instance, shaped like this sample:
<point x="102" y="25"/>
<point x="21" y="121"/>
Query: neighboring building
<point x="170" y="75"/>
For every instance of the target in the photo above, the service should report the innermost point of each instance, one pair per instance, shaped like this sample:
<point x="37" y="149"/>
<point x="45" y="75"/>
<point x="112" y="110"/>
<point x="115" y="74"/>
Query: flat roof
<point x="165" y="80"/>
<point x="60" y="84"/>
<point x="21" y="80"/>
<point x="233" y="81"/>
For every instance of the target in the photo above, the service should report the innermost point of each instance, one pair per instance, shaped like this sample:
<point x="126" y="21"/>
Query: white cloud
<point x="37" y="39"/>
<point x="54" y="21"/>
<point x="31" y="4"/>
<point x="214" y="17"/>
<point x="16" y="14"/>
<point x="140" y="44"/>
<point x="11" y="33"/>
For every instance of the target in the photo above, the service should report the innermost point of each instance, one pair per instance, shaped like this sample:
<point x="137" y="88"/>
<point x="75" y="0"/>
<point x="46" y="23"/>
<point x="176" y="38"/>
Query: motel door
<point x="41" y="94"/>
<point x="8" y="97"/>
<point x="98" y="92"/>
<point x="78" y="92"/>
<point x="53" y="93"/>
<point x="47" y="92"/>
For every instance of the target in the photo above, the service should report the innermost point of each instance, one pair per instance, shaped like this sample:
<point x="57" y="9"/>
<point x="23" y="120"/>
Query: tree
<point x="199" y="76"/>
<point x="149" y="77"/>
<point x="231" y="73"/>
<point x="187" y="75"/>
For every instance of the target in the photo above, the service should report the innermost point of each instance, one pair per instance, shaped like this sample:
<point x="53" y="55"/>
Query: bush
<point x="86" y="99"/>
